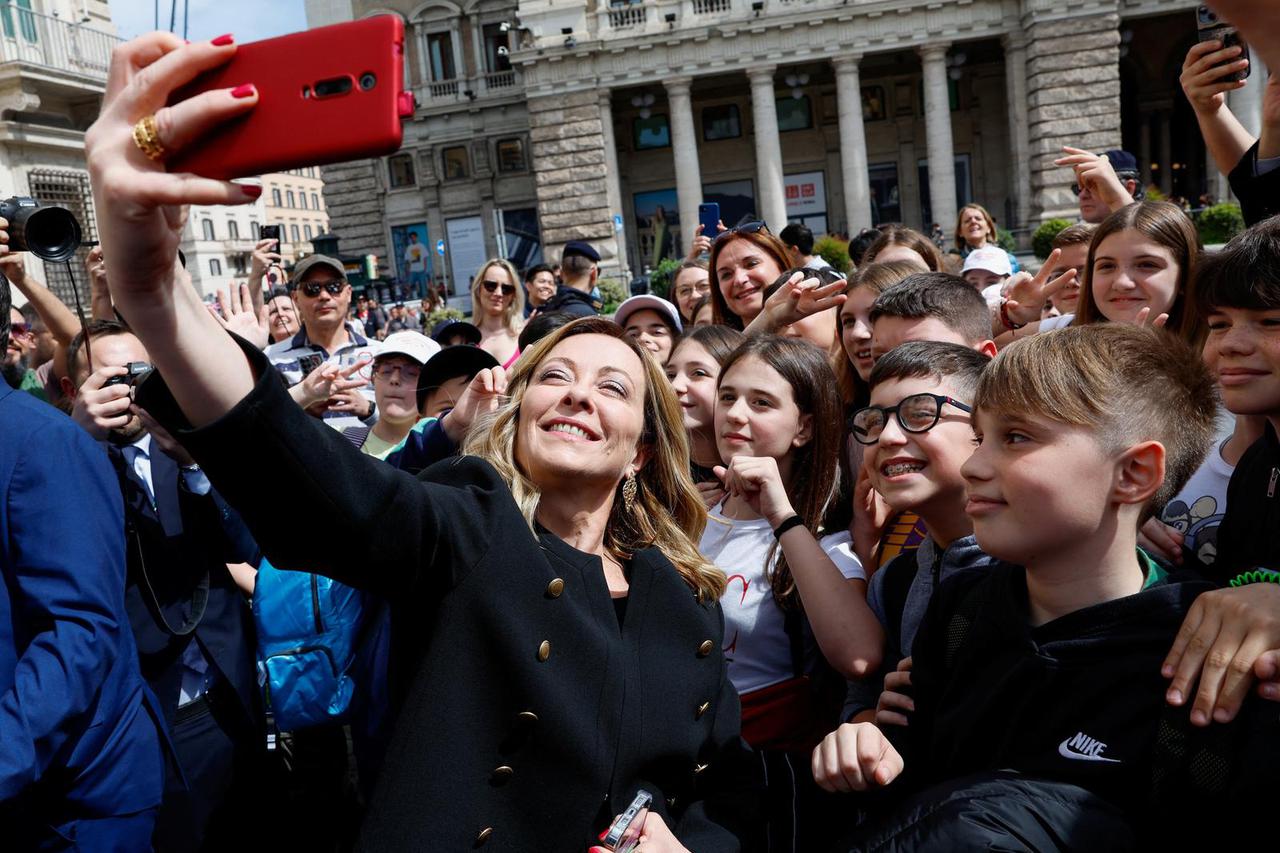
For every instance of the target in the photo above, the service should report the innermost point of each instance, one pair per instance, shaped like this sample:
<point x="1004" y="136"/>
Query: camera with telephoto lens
<point x="136" y="372"/>
<point x="46" y="231"/>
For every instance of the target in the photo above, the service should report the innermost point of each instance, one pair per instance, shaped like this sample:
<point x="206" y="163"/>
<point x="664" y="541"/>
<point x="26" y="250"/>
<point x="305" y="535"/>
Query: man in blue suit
<point x="81" y="765"/>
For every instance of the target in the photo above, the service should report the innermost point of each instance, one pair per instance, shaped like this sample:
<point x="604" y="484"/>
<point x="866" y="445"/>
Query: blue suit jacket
<point x="76" y="735"/>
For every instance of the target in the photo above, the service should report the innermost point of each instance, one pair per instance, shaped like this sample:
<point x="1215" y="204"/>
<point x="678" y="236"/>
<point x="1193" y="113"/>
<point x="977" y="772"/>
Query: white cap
<point x="988" y="258"/>
<point x="653" y="303"/>
<point x="412" y="345"/>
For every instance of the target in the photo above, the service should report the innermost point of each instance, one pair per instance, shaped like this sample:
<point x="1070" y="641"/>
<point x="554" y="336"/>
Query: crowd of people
<point x="939" y="554"/>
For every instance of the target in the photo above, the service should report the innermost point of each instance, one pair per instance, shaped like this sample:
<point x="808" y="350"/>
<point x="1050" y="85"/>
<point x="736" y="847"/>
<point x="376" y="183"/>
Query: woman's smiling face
<point x="743" y="271"/>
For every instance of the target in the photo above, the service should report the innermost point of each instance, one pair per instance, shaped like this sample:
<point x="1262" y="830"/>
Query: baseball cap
<point x="988" y="258"/>
<point x="313" y="261"/>
<point x="412" y="345"/>
<point x="651" y="302"/>
<point x="446" y="329"/>
<point x="1121" y="161"/>
<point x="578" y="247"/>
<point x="450" y="363"/>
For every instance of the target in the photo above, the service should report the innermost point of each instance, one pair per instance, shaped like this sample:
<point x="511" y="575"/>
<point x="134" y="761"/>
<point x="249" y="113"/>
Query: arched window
<point x="207" y="226"/>
<point x="215" y="266"/>
<point x="275" y="196"/>
<point x="233" y="229"/>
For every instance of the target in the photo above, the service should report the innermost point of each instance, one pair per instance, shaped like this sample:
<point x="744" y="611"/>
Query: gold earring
<point x="628" y="492"/>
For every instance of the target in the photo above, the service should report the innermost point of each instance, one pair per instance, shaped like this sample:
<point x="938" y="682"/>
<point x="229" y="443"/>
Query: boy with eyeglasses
<point x="396" y="371"/>
<point x="1039" y="718"/>
<point x="322" y="296"/>
<point x="915" y="436"/>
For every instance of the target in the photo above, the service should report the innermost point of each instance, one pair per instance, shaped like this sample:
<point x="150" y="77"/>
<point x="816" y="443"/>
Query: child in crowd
<point x="1139" y="266"/>
<point x="693" y="371"/>
<point x="916" y="435"/>
<point x="652" y="322"/>
<point x="777" y="423"/>
<point x="900" y="243"/>
<point x="864" y="285"/>
<point x="395" y="370"/>
<point x="1038" y="717"/>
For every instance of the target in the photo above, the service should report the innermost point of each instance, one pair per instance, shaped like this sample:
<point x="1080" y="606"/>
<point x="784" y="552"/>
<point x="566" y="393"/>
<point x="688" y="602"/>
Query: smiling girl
<point x="693" y="370"/>
<point x="777" y="422"/>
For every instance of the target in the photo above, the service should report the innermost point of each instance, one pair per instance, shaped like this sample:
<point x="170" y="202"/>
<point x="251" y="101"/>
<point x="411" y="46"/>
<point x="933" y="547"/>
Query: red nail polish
<point x="223" y="40"/>
<point x="251" y="190"/>
<point x="244" y="90"/>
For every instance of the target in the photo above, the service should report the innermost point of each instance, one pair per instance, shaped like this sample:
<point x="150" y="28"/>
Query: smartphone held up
<point x="1209" y="27"/>
<point x="324" y="96"/>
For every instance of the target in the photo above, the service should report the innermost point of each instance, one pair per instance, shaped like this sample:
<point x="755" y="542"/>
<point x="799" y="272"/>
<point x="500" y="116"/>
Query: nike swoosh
<point x="1067" y="752"/>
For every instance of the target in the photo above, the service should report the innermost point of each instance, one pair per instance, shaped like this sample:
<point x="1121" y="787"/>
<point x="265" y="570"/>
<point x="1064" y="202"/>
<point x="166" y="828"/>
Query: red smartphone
<point x="324" y="95"/>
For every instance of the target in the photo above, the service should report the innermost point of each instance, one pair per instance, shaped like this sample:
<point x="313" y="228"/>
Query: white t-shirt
<point x="1197" y="510"/>
<point x="755" y="638"/>
<point x="1059" y="322"/>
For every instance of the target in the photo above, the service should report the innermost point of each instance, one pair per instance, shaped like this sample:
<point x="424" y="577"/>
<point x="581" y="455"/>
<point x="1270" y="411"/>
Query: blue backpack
<point x="316" y="641"/>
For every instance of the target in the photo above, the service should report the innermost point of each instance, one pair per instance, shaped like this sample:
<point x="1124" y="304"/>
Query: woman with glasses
<point x="497" y="309"/>
<point x="744" y="261"/>
<point x="395" y="390"/>
<point x="690" y="283"/>
<point x="794" y="599"/>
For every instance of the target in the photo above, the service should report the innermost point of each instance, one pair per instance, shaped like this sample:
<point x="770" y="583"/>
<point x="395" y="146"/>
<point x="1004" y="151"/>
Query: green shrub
<point x="1153" y="194"/>
<point x="834" y="252"/>
<point x="1042" y="240"/>
<point x="661" y="278"/>
<point x="612" y="294"/>
<point x="1005" y="240"/>
<point x="443" y="314"/>
<point x="1219" y="223"/>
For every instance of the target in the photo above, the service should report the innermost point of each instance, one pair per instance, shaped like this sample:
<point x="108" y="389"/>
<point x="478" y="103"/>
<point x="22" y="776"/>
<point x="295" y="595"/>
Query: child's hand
<point x="855" y="757"/>
<point x="757" y="481"/>
<point x="870" y="515"/>
<point x="1222" y="640"/>
<point x="1161" y="540"/>
<point x="711" y="494"/>
<point x="895" y="703"/>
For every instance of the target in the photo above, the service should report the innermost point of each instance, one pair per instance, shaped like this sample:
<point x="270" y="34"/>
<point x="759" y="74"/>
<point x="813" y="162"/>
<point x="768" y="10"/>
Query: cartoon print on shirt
<point x="1198" y="524"/>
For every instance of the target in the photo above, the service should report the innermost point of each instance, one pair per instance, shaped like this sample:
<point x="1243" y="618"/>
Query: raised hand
<point x="1095" y="173"/>
<point x="326" y="381"/>
<point x="1144" y="316"/>
<point x="241" y="317"/>
<point x="796" y="300"/>
<point x="1203" y="70"/>
<point x="757" y="481"/>
<point x="870" y="515"/>
<point x="266" y="254"/>
<point x="483" y="394"/>
<point x="855" y="757"/>
<point x="100" y="408"/>
<point x="1028" y="293"/>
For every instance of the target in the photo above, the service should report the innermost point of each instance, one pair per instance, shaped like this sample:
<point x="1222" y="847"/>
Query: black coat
<point x="1259" y="195"/>
<point x="526" y="717"/>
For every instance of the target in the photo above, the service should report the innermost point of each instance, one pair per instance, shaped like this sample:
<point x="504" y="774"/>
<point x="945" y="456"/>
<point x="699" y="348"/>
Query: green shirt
<point x="33" y="386"/>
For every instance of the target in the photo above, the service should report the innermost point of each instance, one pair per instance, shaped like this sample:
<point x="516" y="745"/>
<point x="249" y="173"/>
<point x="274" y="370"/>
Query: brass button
<point x="544" y="650"/>
<point x="702" y="709"/>
<point x="527" y="717"/>
<point x="555" y="588"/>
<point x="501" y="775"/>
<point x="705" y="648"/>
<point x="483" y="836"/>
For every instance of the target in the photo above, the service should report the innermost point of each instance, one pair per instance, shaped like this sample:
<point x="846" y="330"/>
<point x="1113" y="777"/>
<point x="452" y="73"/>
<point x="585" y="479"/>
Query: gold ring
<point x="147" y="138"/>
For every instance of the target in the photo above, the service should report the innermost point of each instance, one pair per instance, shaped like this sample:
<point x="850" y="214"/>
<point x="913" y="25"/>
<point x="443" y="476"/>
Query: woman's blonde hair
<point x="514" y="311"/>
<point x="667" y="512"/>
<point x="992" y="233"/>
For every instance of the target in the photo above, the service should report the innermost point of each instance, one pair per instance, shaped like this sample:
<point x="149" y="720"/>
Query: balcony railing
<point x="27" y="36"/>
<point x="622" y="18"/>
<point x="498" y="80"/>
<point x="465" y="89"/>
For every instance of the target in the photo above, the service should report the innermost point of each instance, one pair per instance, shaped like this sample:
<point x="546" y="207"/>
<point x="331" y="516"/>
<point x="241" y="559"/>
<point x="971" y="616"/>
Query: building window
<point x="69" y="190"/>
<point x="293" y="234"/>
<point x="215" y="266"/>
<point x="440" y="56"/>
<point x="289" y="196"/>
<point x="511" y="155"/>
<point x="721" y="122"/>
<point x="873" y="103"/>
<point x="238" y="264"/>
<point x="307" y="232"/>
<point x="400" y="171"/>
<point x="456" y="164"/>
<point x="302" y="200"/>
<point x="233" y="229"/>
<point x="275" y="196"/>
<point x="26" y="22"/>
<point x="495" y="49"/>
<point x="315" y="201"/>
<point x="207" y="226"/>
<point x="652" y="132"/>
<point x="795" y="113"/>
<point x="256" y="230"/>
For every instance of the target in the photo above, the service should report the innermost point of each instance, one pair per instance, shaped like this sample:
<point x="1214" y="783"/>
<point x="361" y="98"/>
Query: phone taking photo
<point x="709" y="218"/>
<point x="1209" y="27"/>
<point x="624" y="833"/>
<point x="324" y="96"/>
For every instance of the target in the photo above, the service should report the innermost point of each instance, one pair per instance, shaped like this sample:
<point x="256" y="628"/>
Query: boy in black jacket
<point x="1038" y="693"/>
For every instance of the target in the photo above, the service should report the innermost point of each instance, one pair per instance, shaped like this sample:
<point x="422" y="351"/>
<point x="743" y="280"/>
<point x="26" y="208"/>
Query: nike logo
<point x="1081" y="747"/>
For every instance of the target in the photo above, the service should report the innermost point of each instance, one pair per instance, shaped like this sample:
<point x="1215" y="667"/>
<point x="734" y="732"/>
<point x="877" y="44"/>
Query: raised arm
<point x="1206" y="64"/>
<point x="60" y="320"/>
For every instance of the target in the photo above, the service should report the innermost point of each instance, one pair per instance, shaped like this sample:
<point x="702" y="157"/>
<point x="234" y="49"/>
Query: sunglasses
<point x="313" y="288"/>
<point x="23" y="329"/>
<point x="915" y="414"/>
<point x="745" y="228"/>
<point x="492" y="287"/>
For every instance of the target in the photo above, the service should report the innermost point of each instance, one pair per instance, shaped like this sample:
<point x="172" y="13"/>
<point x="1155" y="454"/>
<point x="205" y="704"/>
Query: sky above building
<point x="248" y="20"/>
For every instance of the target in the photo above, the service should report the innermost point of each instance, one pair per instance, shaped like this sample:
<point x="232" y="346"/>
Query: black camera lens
<point x="368" y="80"/>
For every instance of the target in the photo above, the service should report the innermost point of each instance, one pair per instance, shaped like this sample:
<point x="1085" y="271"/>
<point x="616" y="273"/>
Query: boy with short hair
<point x="932" y="306"/>
<point x="915" y="435"/>
<point x="1072" y="244"/>
<point x="1041" y="675"/>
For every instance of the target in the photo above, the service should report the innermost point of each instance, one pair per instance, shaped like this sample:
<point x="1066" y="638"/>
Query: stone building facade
<point x="838" y="113"/>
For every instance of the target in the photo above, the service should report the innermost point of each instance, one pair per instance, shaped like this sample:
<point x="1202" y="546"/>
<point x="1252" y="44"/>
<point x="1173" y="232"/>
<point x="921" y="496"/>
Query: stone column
<point x="613" y="188"/>
<point x="1067" y="54"/>
<point x="1144" y="148"/>
<point x="771" y="199"/>
<point x="937" y="115"/>
<point x="1166" y="153"/>
<point x="684" y="146"/>
<point x="853" y="145"/>
<point x="1015" y="83"/>
<point x="571" y="176"/>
